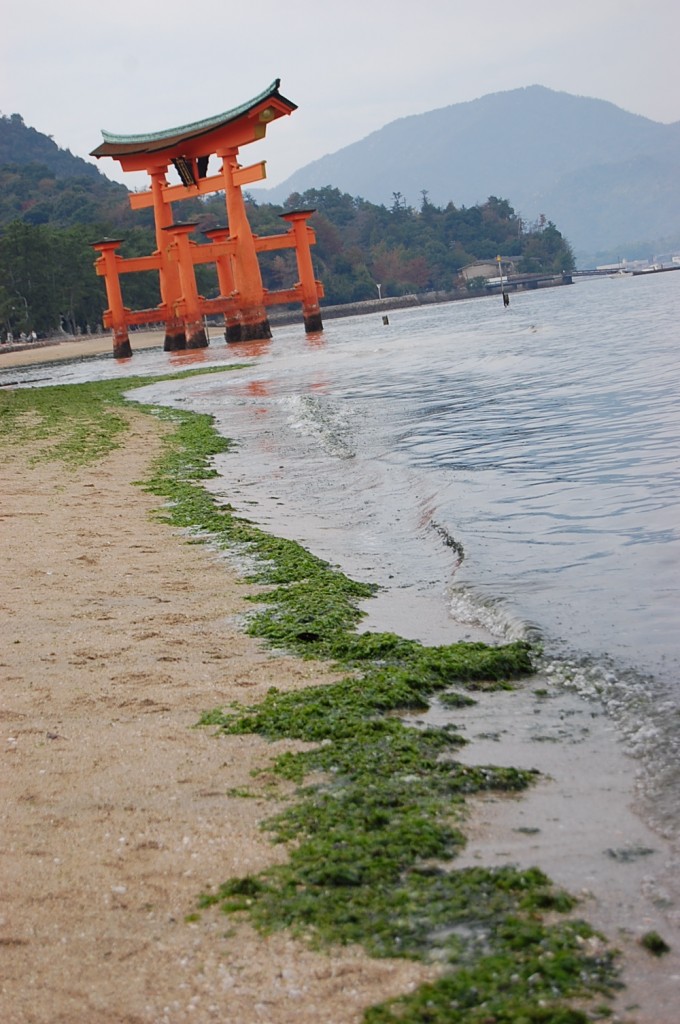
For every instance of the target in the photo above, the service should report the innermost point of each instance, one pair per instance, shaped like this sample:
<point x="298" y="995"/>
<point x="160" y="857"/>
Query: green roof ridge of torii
<point x="198" y="127"/>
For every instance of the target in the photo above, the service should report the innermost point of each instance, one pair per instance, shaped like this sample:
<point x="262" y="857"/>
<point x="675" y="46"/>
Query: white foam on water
<point x="492" y="614"/>
<point x="329" y="423"/>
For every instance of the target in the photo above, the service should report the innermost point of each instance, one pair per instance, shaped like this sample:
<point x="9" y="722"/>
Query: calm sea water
<point x="516" y="469"/>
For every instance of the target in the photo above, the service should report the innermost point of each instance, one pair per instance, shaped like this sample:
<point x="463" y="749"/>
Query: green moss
<point x="453" y="699"/>
<point x="509" y="987"/>
<point x="653" y="942"/>
<point x="79" y="423"/>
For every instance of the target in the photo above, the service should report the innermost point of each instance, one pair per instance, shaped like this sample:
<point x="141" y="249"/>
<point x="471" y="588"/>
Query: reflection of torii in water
<point x="233" y="249"/>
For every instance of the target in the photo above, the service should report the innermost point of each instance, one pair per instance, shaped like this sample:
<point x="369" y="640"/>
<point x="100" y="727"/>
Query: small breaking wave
<point x="492" y="614"/>
<point x="326" y="422"/>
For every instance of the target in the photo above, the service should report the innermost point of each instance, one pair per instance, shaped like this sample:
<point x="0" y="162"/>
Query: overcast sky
<point x="74" y="67"/>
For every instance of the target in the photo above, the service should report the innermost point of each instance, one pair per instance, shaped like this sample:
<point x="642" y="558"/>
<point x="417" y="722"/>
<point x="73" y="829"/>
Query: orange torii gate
<point x="233" y="249"/>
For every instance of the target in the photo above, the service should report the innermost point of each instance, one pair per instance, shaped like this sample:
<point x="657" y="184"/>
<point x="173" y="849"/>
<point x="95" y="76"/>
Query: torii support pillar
<point x="180" y="253"/>
<point x="107" y="267"/>
<point x="254" y="323"/>
<point x="225" y="280"/>
<point x="311" y="311"/>
<point x="169" y="279"/>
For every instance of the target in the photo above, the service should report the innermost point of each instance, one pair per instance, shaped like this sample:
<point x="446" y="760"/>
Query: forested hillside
<point x="20" y="144"/>
<point x="48" y="221"/>
<point x="42" y="184"/>
<point x="406" y="250"/>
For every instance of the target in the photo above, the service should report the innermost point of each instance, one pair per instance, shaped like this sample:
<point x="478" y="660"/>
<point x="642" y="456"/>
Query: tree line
<point x="47" y="225"/>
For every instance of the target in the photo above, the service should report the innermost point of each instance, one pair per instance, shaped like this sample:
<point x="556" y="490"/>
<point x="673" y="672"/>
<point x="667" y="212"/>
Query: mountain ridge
<point x="526" y="145"/>
<point x="20" y="144"/>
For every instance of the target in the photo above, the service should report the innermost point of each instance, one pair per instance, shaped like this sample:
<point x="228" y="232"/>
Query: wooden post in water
<point x="506" y="297"/>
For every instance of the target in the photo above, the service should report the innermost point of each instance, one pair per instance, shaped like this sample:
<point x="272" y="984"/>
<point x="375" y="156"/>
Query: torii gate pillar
<point x="227" y="286"/>
<point x="169" y="279"/>
<point x="254" y="323"/>
<point x="179" y="255"/>
<point x="107" y="267"/>
<point x="311" y="311"/>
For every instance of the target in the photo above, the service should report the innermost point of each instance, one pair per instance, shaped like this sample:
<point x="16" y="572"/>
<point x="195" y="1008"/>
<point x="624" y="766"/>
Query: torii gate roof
<point x="172" y="138"/>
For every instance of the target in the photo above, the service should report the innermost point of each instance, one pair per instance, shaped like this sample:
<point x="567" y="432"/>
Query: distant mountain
<point x="604" y="176"/>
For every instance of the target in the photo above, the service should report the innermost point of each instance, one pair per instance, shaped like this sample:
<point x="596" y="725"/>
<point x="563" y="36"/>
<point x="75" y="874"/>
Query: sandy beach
<point x="117" y="812"/>
<point x="75" y="348"/>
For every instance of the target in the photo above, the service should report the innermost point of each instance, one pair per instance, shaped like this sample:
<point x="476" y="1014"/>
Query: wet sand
<point x="116" y="812"/>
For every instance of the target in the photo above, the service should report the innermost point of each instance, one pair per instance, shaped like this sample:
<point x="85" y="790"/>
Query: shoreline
<point x="91" y="655"/>
<point x="74" y="348"/>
